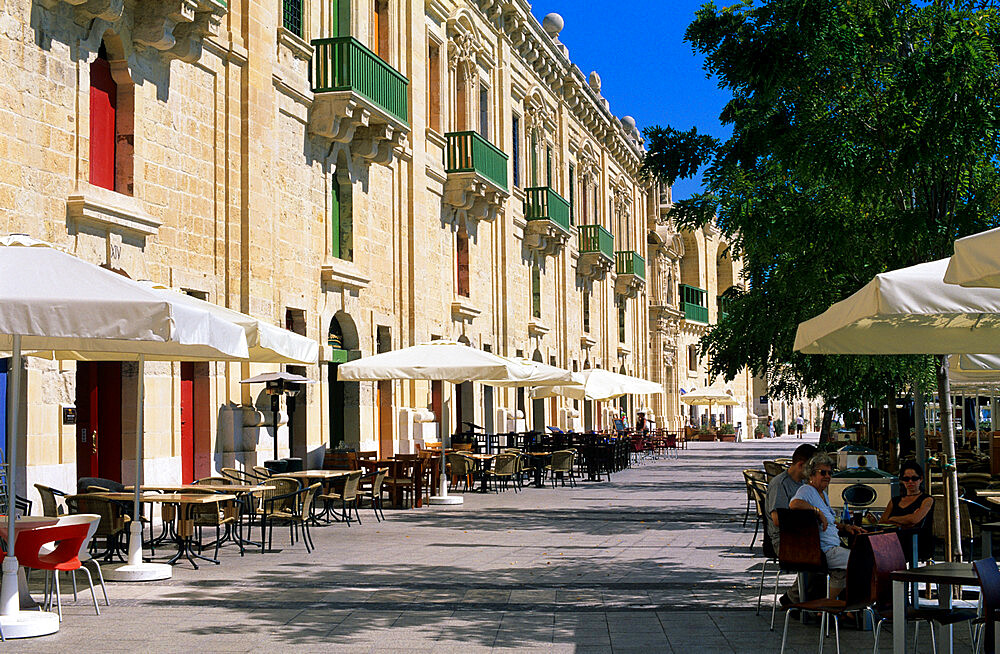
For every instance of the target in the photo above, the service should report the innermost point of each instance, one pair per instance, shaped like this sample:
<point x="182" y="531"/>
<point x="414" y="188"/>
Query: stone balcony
<point x="477" y="175"/>
<point x="597" y="252"/>
<point x="175" y="27"/>
<point x="358" y="99"/>
<point x="547" y="214"/>
<point x="630" y="269"/>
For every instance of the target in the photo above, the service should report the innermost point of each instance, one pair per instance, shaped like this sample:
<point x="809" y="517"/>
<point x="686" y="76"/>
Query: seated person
<point x="912" y="510"/>
<point x="780" y="492"/>
<point x="812" y="496"/>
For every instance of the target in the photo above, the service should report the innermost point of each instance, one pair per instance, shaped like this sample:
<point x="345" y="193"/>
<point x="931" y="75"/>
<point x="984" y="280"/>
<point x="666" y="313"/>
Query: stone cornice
<point x="513" y="19"/>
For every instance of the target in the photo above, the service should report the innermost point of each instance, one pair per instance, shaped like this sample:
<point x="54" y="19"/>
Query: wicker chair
<point x="239" y="476"/>
<point x="52" y="504"/>
<point x="561" y="467"/>
<point x="374" y="492"/>
<point x="504" y="470"/>
<point x="348" y="497"/>
<point x="275" y="501"/>
<point x="460" y="468"/>
<point x="223" y="514"/>
<point x="749" y="476"/>
<point x="293" y="508"/>
<point x="401" y="482"/>
<point x="112" y="526"/>
<point x="214" y="481"/>
<point x="261" y="473"/>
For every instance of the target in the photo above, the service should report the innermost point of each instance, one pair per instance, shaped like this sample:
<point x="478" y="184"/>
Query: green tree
<point x="864" y="138"/>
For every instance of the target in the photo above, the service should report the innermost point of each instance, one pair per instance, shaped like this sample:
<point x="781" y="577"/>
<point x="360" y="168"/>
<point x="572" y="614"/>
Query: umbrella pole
<point x="949" y="469"/>
<point x="443" y="497"/>
<point x="10" y="602"/>
<point x="135" y="569"/>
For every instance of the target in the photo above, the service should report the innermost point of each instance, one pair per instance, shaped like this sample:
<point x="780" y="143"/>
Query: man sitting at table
<point x="812" y="496"/>
<point x="780" y="492"/>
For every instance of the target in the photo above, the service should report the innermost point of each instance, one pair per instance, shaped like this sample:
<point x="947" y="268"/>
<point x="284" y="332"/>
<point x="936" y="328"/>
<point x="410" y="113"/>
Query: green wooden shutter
<point x="335" y="217"/>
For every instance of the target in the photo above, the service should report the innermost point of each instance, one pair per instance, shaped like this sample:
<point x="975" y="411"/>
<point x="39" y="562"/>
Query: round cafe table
<point x="27" y="623"/>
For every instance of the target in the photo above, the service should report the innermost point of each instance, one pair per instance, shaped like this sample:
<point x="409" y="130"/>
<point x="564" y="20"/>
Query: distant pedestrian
<point x="739" y="432"/>
<point x="800" y="426"/>
<point x="770" y="427"/>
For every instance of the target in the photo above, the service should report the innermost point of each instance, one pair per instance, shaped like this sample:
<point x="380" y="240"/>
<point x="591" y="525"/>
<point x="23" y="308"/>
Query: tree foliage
<point x="864" y="138"/>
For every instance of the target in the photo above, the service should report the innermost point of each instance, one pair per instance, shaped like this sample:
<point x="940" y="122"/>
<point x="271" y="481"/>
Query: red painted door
<point x="103" y="100"/>
<point x="99" y="420"/>
<point x="187" y="422"/>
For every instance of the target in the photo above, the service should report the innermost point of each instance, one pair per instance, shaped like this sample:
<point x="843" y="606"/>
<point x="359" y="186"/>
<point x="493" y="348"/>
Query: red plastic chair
<point x="65" y="556"/>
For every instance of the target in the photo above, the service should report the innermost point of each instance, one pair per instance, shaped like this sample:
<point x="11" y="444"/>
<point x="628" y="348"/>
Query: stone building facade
<point x="370" y="173"/>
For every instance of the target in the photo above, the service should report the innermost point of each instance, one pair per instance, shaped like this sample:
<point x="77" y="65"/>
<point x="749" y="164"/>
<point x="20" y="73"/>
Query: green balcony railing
<point x="344" y="64"/>
<point x="543" y="203"/>
<point x="693" y="303"/>
<point x="468" y="152"/>
<point x="628" y="262"/>
<point x="594" y="238"/>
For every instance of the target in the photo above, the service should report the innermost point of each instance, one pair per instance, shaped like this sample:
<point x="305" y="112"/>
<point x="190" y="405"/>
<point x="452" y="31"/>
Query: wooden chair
<point x="400" y="481"/>
<point x="340" y="461"/>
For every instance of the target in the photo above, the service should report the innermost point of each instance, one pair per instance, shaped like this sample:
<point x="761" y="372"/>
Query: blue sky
<point x="647" y="69"/>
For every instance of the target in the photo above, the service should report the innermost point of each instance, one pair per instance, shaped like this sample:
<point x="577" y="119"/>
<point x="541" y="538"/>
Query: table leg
<point x="945" y="632"/>
<point x="987" y="543"/>
<point x="899" y="625"/>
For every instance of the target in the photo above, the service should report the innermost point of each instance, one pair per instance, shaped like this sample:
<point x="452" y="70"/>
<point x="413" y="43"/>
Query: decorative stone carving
<point x="545" y="236"/>
<point x="586" y="342"/>
<point x="348" y="117"/>
<point x="594" y="265"/>
<point x="473" y="196"/>
<point x="100" y="206"/>
<point x="154" y="22"/>
<point x="629" y="285"/>
<point x="175" y="27"/>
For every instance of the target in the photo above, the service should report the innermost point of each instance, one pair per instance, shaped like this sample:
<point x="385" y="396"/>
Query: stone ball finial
<point x="628" y="122"/>
<point x="553" y="24"/>
<point x="595" y="81"/>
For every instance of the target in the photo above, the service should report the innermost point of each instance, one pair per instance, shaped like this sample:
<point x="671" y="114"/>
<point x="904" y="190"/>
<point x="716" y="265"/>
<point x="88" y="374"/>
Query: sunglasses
<point x="824" y="473"/>
<point x="910" y="478"/>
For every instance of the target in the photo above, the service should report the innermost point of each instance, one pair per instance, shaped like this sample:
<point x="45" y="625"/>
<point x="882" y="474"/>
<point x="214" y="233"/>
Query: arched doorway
<point x="345" y="397"/>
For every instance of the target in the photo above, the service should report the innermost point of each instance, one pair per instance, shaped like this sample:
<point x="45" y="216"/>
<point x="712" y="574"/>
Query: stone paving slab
<point x="656" y="560"/>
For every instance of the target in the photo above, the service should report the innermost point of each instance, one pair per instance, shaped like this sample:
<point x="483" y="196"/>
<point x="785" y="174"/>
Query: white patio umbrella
<point x="539" y="374"/>
<point x="709" y="396"/>
<point x="448" y="361"/>
<point x="54" y="303"/>
<point x="976" y="262"/>
<point x="267" y="343"/>
<point x="601" y="385"/>
<point x="912" y="311"/>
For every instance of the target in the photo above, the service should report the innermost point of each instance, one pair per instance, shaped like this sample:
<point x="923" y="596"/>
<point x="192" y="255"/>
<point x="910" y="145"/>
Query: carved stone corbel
<point x="545" y="237"/>
<point x="155" y="22"/>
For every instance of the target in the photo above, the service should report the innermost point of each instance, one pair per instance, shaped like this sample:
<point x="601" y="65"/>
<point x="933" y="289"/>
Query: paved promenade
<point x="656" y="560"/>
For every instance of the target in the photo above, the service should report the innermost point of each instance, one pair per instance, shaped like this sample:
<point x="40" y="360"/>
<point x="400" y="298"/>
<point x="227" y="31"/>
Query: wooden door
<point x="187" y="422"/>
<point x="384" y="402"/>
<point x="99" y="420"/>
<point x="103" y="101"/>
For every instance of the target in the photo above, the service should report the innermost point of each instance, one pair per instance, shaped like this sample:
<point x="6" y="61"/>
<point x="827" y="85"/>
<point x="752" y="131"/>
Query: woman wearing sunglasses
<point x="812" y="496"/>
<point x="911" y="511"/>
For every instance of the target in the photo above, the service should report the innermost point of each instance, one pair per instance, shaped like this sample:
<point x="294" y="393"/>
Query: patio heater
<point x="277" y="384"/>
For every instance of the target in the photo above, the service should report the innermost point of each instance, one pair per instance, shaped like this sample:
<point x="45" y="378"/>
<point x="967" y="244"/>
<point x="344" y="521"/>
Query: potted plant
<point x="727" y="433"/>
<point x="705" y="434"/>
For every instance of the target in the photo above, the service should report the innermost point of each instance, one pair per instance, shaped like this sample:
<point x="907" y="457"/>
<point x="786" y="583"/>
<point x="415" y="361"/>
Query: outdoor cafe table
<point x="945" y="575"/>
<point x="537" y="463"/>
<point x="482" y="464"/>
<point x="26" y="523"/>
<point x="185" y="517"/>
